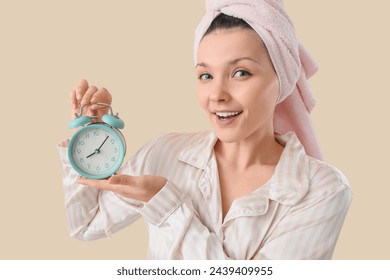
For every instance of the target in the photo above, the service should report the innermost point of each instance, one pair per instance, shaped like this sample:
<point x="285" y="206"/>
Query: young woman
<point x="241" y="191"/>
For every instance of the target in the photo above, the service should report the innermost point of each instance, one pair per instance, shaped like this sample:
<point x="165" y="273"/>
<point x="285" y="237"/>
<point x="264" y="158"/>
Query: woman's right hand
<point x="87" y="96"/>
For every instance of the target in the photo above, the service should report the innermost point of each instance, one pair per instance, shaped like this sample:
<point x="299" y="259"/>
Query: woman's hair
<point x="223" y="21"/>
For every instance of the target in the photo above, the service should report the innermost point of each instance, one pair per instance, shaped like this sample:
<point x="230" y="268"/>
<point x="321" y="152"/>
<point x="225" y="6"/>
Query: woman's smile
<point x="225" y="118"/>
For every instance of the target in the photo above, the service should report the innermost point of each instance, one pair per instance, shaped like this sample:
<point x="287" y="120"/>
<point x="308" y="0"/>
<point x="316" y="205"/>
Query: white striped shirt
<point x="297" y="214"/>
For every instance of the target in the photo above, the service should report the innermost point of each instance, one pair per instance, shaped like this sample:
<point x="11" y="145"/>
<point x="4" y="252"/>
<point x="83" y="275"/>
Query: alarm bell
<point x="110" y="119"/>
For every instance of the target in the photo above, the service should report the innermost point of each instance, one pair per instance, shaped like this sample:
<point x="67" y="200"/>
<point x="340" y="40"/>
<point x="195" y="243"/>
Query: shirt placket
<point x="209" y="187"/>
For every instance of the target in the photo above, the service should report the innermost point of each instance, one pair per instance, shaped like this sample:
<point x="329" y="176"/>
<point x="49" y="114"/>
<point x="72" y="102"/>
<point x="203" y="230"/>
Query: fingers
<point x="142" y="188"/>
<point x="86" y="100"/>
<point x="110" y="184"/>
<point x="81" y="88"/>
<point x="73" y="99"/>
<point x="101" y="95"/>
<point x="85" y="94"/>
<point x="97" y="184"/>
<point x="77" y="94"/>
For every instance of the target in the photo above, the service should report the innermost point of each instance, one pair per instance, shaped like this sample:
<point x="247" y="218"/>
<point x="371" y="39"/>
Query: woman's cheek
<point x="201" y="96"/>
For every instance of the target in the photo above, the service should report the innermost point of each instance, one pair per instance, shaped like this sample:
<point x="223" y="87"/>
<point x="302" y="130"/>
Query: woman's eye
<point x="241" y="73"/>
<point x="205" y="77"/>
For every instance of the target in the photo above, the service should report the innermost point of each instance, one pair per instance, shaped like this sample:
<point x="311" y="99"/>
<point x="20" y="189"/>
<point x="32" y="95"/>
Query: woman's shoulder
<point x="326" y="179"/>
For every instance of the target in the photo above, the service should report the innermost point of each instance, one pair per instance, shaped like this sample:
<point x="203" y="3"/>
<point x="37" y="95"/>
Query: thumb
<point x="120" y="179"/>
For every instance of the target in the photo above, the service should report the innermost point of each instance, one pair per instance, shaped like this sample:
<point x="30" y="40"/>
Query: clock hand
<point x="92" y="154"/>
<point x="102" y="143"/>
<point x="98" y="149"/>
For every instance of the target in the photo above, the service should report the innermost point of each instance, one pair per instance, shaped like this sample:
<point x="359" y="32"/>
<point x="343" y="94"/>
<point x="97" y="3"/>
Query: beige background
<point x="143" y="55"/>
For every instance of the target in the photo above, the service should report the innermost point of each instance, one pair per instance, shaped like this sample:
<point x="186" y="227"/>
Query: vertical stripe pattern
<point x="297" y="214"/>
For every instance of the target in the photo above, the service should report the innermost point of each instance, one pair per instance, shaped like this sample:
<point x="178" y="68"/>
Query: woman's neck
<point x="255" y="150"/>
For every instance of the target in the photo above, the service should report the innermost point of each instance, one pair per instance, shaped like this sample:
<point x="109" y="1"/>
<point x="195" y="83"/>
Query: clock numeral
<point x="107" y="166"/>
<point x="89" y="166"/>
<point x="112" y="141"/>
<point x="78" y="151"/>
<point x="113" y="159"/>
<point x="81" y="160"/>
<point x="96" y="133"/>
<point x="81" y="142"/>
<point x="115" y="150"/>
<point x="97" y="168"/>
<point x="87" y="136"/>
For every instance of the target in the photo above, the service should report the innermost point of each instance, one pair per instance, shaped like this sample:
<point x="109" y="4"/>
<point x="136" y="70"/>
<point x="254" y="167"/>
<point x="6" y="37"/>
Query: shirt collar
<point x="290" y="181"/>
<point x="200" y="151"/>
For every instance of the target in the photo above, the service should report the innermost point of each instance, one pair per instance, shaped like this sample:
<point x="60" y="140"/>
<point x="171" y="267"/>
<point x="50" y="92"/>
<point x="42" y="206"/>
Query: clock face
<point x="96" y="151"/>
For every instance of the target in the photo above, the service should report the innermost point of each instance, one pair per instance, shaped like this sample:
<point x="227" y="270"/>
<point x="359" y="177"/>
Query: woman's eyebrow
<point x="231" y="62"/>
<point x="201" y="64"/>
<point x="237" y="60"/>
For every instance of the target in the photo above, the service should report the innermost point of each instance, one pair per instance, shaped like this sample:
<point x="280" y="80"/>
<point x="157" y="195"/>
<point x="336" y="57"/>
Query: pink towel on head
<point x="292" y="63"/>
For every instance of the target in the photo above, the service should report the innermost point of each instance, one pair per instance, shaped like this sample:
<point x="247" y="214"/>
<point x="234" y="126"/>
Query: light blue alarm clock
<point x="97" y="150"/>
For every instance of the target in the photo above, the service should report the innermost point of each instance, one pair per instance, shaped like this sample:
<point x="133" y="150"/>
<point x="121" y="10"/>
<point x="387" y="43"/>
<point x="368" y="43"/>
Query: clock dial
<point x="97" y="151"/>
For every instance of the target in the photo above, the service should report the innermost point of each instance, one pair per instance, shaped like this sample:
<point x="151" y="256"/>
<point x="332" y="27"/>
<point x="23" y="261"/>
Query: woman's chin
<point x="227" y="136"/>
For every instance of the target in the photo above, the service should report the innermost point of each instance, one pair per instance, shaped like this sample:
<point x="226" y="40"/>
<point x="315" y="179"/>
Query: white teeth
<point x="226" y="114"/>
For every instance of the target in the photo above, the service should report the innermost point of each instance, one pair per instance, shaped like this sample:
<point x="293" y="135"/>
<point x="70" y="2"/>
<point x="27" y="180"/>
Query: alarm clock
<point x="97" y="150"/>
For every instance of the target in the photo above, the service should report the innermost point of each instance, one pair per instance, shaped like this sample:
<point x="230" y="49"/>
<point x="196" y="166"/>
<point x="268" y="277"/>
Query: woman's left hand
<point x="141" y="188"/>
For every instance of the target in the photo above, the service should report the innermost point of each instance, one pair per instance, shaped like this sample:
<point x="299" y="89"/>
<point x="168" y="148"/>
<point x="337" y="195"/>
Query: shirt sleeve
<point x="94" y="214"/>
<point x="311" y="228"/>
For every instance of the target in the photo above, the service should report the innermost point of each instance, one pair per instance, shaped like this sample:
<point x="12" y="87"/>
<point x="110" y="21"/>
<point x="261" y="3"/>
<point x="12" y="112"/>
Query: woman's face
<point x="237" y="84"/>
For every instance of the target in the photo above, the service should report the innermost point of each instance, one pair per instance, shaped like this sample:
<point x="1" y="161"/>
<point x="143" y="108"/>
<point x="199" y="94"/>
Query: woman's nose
<point x="219" y="92"/>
